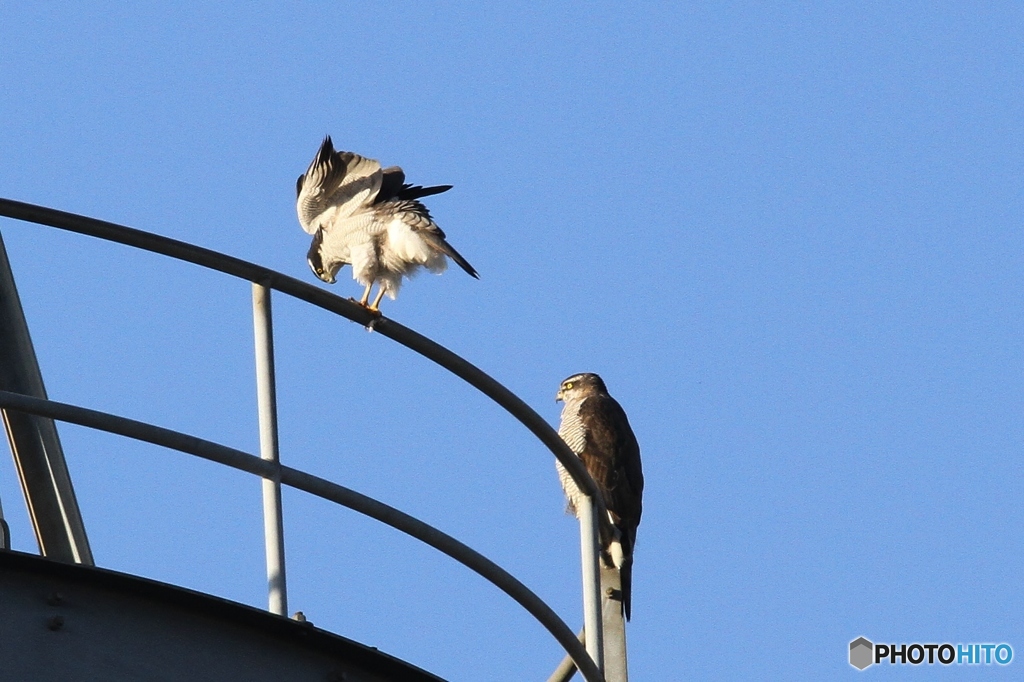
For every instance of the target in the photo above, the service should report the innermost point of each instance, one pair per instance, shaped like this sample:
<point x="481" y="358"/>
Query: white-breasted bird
<point x="369" y="217"/>
<point x="596" y="428"/>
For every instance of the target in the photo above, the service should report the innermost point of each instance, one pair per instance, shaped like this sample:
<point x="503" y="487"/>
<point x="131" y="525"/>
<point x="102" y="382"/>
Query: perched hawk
<point x="595" y="427"/>
<point x="370" y="218"/>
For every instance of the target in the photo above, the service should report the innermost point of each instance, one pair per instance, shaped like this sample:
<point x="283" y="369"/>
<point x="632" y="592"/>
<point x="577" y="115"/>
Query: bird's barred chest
<point x="573" y="432"/>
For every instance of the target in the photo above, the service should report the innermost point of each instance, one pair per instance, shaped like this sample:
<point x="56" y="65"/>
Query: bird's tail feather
<point x="439" y="243"/>
<point x="621" y="557"/>
<point x="626" y="580"/>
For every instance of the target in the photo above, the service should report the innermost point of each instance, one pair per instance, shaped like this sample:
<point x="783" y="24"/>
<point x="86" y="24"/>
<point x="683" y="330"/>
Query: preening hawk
<point x="595" y="427"/>
<point x="368" y="217"/>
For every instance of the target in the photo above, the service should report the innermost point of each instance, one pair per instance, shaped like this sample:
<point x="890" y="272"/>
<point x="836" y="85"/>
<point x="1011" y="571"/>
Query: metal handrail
<point x="593" y="517"/>
<point x="320" y="487"/>
<point x="314" y="295"/>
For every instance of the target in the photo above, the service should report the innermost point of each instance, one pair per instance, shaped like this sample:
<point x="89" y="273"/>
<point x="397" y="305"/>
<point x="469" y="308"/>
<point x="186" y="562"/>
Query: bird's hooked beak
<point x="316" y="260"/>
<point x="318" y="269"/>
<point x="558" y="396"/>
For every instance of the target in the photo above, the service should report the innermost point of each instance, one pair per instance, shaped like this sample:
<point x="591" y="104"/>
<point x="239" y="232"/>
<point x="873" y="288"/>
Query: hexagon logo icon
<point x="862" y="653"/>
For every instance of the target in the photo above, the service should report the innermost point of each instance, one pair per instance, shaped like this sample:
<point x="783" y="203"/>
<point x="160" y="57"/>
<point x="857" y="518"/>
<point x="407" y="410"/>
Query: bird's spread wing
<point x="336" y="185"/>
<point x="393" y="186"/>
<point x="392" y="182"/>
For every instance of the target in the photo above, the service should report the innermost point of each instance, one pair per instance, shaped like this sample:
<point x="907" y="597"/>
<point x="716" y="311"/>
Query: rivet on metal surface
<point x="55" y="623"/>
<point x="55" y="599"/>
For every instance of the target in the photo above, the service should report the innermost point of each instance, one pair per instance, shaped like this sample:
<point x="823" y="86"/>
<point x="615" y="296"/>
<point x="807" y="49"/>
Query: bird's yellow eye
<point x="568" y="384"/>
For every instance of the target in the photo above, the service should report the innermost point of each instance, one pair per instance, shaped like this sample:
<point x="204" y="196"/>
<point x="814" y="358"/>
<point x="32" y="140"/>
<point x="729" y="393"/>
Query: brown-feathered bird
<point x="595" y="427"/>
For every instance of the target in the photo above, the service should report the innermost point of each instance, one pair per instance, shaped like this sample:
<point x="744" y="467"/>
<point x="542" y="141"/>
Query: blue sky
<point x="787" y="236"/>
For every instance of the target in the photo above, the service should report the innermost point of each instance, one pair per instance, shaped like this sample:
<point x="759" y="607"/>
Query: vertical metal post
<point x="615" y="664"/>
<point x="35" y="445"/>
<point x="266" y="392"/>
<point x="5" y="531"/>
<point x="590" y="553"/>
<point x="567" y="668"/>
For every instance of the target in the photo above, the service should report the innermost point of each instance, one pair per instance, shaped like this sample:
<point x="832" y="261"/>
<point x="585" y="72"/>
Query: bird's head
<point x="580" y="386"/>
<point x="315" y="258"/>
<point x="317" y="266"/>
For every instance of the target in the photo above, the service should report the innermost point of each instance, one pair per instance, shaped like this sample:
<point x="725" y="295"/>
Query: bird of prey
<point x="369" y="217"/>
<point x="595" y="427"/>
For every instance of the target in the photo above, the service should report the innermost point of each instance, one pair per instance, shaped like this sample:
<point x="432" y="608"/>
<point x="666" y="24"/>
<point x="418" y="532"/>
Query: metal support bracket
<point x="35" y="445"/>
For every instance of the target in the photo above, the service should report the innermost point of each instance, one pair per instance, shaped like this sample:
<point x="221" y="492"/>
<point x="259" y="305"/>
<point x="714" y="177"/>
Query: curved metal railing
<point x="592" y="518"/>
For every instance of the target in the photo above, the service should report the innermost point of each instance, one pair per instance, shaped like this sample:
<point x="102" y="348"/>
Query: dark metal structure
<point x="65" y="622"/>
<point x="26" y="401"/>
